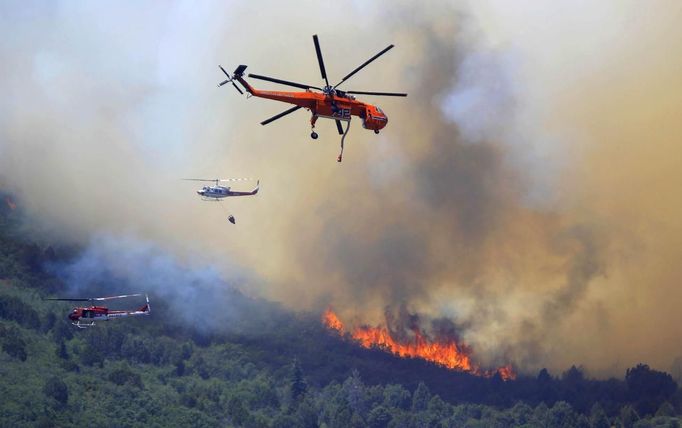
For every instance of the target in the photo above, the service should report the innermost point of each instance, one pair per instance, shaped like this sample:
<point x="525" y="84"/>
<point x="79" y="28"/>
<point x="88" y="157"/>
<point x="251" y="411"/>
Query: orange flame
<point x="445" y="353"/>
<point x="330" y="319"/>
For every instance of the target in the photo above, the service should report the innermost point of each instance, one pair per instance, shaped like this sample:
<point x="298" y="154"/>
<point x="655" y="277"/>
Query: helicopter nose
<point x="200" y="192"/>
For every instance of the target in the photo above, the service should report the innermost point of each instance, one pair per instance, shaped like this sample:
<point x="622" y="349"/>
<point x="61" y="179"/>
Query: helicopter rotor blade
<point x="94" y="299"/>
<point x="320" y="61"/>
<point x="226" y="73"/>
<point x="365" y="64"/>
<point x="123" y="296"/>
<point x="237" y="88"/>
<point x="277" y="116"/>
<point x="235" y="179"/>
<point x="229" y="80"/>
<point x="218" y="179"/>
<point x="339" y="127"/>
<point x="283" y="82"/>
<point x="385" y="94"/>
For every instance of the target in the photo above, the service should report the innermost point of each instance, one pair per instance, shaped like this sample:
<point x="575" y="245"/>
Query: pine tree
<point x="665" y="409"/>
<point x="628" y="416"/>
<point x="420" y="398"/>
<point x="598" y="418"/>
<point x="298" y="386"/>
<point x="355" y="393"/>
<point x="61" y="351"/>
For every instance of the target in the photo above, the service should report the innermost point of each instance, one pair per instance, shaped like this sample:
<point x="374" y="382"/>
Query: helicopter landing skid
<point x="81" y="325"/>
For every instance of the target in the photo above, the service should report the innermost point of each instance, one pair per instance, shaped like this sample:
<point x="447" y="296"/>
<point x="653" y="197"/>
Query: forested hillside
<point x="285" y="371"/>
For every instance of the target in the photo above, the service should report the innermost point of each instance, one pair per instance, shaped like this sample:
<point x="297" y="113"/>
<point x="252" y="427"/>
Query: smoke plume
<point x="527" y="190"/>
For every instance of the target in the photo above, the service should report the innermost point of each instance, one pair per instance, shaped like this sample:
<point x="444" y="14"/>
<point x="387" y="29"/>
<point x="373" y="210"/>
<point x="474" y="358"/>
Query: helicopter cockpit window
<point x="380" y="110"/>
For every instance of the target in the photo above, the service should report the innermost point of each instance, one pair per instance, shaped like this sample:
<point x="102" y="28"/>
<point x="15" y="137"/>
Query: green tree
<point x="356" y="421"/>
<point x="355" y="393"/>
<point x="544" y="376"/>
<point x="598" y="418"/>
<point x="284" y="421"/>
<point x="91" y="357"/>
<point x="649" y="388"/>
<point x="297" y="385"/>
<point x="201" y="367"/>
<point x="306" y="414"/>
<point x="439" y="408"/>
<point x="14" y="345"/>
<point x="396" y="396"/>
<point x="573" y="376"/>
<point x="61" y="351"/>
<point x="180" y="368"/>
<point x="420" y="398"/>
<point x="13" y="308"/>
<point x="541" y="414"/>
<point x="237" y="411"/>
<point x="48" y="322"/>
<point x="562" y="415"/>
<point x="379" y="417"/>
<point x="341" y="416"/>
<point x="123" y="375"/>
<point x="62" y="331"/>
<point x="666" y="409"/>
<point x="628" y="416"/>
<point x="521" y="413"/>
<point x="55" y="388"/>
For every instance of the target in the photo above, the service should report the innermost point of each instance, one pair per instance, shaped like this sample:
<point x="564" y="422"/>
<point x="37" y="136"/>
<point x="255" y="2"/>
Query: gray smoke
<point x="192" y="293"/>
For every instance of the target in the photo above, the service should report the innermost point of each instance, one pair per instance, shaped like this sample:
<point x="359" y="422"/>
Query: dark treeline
<point x="290" y="371"/>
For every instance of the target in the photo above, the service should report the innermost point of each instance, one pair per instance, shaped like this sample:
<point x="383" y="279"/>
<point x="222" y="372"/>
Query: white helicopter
<point x="217" y="192"/>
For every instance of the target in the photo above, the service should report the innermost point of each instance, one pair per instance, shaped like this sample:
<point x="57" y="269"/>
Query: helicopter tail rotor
<point x="230" y="79"/>
<point x="147" y="309"/>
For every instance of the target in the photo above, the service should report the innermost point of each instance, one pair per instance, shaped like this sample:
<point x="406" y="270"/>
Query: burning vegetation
<point x="444" y="352"/>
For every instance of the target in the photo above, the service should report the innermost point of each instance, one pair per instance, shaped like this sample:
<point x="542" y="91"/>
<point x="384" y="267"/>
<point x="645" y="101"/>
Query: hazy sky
<point x="528" y="187"/>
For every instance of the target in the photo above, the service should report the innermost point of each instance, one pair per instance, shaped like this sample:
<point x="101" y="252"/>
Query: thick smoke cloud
<point x="525" y="190"/>
<point x="187" y="292"/>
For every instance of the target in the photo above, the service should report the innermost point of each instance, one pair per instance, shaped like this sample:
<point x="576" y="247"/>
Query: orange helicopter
<point x="331" y="103"/>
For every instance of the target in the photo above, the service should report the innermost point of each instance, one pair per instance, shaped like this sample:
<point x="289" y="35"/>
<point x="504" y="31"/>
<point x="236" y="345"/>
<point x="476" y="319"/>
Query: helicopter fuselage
<point x="219" y="192"/>
<point x="86" y="316"/>
<point x="337" y="105"/>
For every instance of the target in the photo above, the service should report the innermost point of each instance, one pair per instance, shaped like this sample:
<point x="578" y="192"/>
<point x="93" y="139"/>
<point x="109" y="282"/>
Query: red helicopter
<point x="83" y="317"/>
<point x="331" y="103"/>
